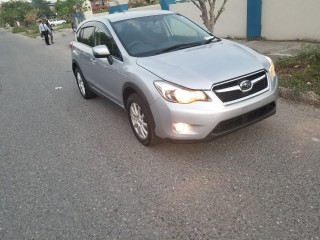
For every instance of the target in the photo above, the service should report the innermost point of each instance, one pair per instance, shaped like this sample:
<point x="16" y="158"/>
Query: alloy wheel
<point x="137" y="119"/>
<point x="81" y="84"/>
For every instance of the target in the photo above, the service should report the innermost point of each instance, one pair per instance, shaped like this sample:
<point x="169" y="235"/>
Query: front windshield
<point x="147" y="36"/>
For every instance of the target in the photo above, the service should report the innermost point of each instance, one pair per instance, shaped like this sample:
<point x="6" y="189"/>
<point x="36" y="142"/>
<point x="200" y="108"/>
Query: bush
<point x="33" y="28"/>
<point x="137" y="3"/>
<point x="18" y="29"/>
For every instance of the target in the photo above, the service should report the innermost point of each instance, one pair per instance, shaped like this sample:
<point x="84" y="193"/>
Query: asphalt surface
<point x="72" y="169"/>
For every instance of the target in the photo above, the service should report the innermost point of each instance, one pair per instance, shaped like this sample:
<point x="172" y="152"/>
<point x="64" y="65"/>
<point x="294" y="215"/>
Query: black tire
<point x="83" y="86"/>
<point x="141" y="120"/>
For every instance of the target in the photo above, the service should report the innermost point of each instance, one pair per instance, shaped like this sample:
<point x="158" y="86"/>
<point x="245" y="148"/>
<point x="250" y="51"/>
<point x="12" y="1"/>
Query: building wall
<point x="88" y="13"/>
<point x="291" y="19"/>
<point x="146" y="8"/>
<point x="280" y="20"/>
<point x="232" y="22"/>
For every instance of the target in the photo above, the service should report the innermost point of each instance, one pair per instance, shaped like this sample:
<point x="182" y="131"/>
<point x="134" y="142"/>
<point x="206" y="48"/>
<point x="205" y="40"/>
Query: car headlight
<point x="272" y="71"/>
<point x="177" y="94"/>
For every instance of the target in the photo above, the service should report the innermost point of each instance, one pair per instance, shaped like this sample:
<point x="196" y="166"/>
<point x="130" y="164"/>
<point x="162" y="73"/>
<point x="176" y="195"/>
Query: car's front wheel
<point x="83" y="86"/>
<point x="141" y="119"/>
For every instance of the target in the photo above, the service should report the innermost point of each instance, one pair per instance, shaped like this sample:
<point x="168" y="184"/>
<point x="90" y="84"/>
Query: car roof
<point x="115" y="17"/>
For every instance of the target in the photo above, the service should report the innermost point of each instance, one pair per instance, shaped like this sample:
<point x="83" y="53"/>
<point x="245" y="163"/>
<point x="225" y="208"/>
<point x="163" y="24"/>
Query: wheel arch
<point x="130" y="88"/>
<point x="74" y="66"/>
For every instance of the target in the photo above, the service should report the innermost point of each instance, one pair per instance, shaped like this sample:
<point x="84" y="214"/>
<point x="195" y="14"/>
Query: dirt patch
<point x="310" y="98"/>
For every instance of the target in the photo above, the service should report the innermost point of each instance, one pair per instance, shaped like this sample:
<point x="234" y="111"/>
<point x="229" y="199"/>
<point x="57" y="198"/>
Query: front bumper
<point x="207" y="120"/>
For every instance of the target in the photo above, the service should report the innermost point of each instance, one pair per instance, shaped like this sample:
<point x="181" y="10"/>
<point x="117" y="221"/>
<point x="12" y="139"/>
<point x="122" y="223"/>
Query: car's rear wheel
<point x="141" y="120"/>
<point x="83" y="86"/>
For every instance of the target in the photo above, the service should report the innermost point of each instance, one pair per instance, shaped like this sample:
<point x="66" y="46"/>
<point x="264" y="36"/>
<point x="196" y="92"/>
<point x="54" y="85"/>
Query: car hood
<point x="201" y="67"/>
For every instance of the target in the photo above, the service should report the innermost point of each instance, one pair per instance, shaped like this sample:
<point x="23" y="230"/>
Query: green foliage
<point x="13" y="11"/>
<point x="42" y="8"/>
<point x="65" y="8"/>
<point x="23" y="11"/>
<point x="18" y="29"/>
<point x="34" y="28"/>
<point x="137" y="3"/>
<point x="27" y="13"/>
<point x="31" y="17"/>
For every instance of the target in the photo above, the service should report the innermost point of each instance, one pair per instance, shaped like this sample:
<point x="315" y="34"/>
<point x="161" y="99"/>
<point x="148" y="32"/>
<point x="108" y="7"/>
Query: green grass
<point x="63" y="26"/>
<point x="18" y="29"/>
<point x="33" y="30"/>
<point x="300" y="74"/>
<point x="30" y="31"/>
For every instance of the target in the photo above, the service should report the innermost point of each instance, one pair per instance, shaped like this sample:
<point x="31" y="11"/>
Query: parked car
<point x="56" y="22"/>
<point x="175" y="79"/>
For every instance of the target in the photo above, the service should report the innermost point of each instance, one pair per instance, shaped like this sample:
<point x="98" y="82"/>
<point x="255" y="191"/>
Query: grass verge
<point x="299" y="76"/>
<point x="63" y="26"/>
<point x="33" y="30"/>
<point x="30" y="31"/>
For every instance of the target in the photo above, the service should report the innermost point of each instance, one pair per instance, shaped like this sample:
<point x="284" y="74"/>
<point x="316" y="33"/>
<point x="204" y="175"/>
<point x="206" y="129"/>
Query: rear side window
<point x="85" y="36"/>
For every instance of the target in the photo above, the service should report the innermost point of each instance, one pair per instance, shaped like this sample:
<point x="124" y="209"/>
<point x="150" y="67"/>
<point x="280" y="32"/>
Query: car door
<point x="83" y="51"/>
<point x="109" y="78"/>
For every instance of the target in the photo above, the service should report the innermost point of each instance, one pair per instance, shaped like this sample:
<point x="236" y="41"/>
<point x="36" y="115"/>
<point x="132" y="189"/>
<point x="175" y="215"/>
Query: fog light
<point x="180" y="127"/>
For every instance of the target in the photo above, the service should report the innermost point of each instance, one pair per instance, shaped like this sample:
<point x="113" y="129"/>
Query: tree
<point x="31" y="17"/>
<point x="208" y="15"/>
<point x="42" y="8"/>
<point x="13" y="11"/>
<point x="65" y="8"/>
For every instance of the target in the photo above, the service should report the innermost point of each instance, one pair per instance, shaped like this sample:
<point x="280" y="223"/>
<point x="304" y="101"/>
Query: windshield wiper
<point x="187" y="45"/>
<point x="179" y="46"/>
<point x="210" y="39"/>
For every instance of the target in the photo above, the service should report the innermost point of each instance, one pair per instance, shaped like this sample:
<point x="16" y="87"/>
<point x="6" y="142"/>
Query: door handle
<point x="93" y="60"/>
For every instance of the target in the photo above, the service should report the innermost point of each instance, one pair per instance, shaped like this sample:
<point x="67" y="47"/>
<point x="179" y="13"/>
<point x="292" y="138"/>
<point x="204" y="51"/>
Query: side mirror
<point x="102" y="51"/>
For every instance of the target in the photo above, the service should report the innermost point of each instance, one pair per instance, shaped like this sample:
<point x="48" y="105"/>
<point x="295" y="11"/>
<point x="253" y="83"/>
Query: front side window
<point x="103" y="37"/>
<point x="85" y="36"/>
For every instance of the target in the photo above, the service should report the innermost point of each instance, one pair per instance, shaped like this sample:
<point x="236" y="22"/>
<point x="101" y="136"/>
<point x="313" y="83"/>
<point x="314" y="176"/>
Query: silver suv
<point x="175" y="79"/>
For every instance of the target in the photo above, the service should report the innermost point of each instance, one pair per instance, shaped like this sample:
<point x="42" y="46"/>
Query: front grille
<point x="230" y="91"/>
<point x="243" y="120"/>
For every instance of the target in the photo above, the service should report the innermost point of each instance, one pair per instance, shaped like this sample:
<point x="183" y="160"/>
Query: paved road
<point x="72" y="169"/>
